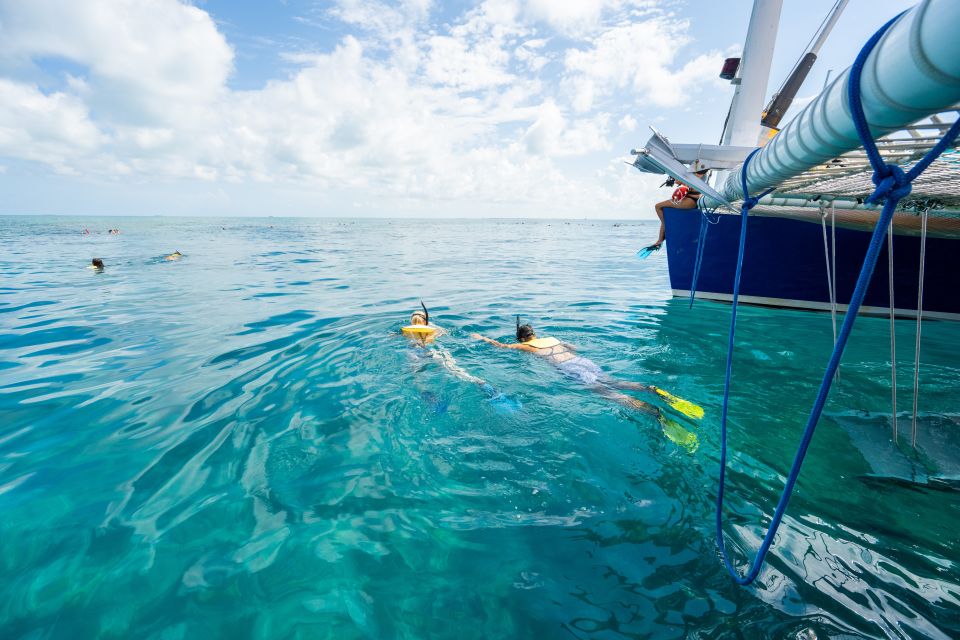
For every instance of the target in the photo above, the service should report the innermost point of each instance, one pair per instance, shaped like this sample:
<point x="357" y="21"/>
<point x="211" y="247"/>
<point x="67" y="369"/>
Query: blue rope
<point x="696" y="265"/>
<point x="701" y="241"/>
<point x="892" y="184"/>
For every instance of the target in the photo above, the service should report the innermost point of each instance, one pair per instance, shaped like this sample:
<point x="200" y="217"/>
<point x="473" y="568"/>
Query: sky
<point x="412" y="108"/>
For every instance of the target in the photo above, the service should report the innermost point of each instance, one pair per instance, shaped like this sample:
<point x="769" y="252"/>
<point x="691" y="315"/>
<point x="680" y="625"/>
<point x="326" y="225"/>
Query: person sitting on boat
<point x="564" y="357"/>
<point x="684" y="197"/>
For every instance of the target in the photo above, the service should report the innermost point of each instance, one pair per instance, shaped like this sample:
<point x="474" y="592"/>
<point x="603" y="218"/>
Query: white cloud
<point x="386" y="19"/>
<point x="403" y="109"/>
<point x="583" y="17"/>
<point x="54" y="129"/>
<point x="628" y="123"/>
<point x="635" y="56"/>
<point x="453" y="62"/>
<point x="530" y="54"/>
<point x="552" y="135"/>
<point x="148" y="60"/>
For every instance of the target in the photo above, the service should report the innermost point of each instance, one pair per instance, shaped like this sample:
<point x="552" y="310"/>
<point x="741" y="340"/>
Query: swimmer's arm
<point x="503" y="345"/>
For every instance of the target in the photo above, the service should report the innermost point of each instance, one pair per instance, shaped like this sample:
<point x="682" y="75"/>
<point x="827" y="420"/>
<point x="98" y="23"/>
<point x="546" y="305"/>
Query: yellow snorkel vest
<point x="542" y="343"/>
<point x="418" y="330"/>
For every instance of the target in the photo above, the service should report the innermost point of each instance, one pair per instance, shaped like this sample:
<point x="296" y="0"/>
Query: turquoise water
<point x="238" y="444"/>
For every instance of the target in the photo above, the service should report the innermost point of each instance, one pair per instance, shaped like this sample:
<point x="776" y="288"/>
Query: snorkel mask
<point x="524" y="331"/>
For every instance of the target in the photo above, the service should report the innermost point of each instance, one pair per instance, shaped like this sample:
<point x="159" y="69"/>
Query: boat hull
<point x="784" y="265"/>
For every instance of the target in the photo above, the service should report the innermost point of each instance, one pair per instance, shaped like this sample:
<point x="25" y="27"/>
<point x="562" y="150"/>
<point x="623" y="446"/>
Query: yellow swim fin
<point x="678" y="435"/>
<point x="685" y="407"/>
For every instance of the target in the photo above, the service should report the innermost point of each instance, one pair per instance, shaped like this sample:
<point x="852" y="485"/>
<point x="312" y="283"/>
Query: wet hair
<point x="524" y="331"/>
<point x="97" y="262"/>
<point x="423" y="314"/>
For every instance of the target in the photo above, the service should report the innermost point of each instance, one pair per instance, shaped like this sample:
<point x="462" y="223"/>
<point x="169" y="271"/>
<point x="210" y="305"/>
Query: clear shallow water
<point x="239" y="445"/>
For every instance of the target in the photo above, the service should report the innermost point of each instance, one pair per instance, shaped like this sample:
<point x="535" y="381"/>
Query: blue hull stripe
<point x="784" y="262"/>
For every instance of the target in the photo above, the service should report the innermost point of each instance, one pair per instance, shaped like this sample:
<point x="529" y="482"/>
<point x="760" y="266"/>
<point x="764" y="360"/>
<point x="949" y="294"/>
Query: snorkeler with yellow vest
<point x="564" y="357"/>
<point x="420" y="328"/>
<point x="423" y="333"/>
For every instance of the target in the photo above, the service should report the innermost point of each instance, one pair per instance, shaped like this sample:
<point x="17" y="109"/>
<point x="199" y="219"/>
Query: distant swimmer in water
<point x="564" y="357"/>
<point x="425" y="334"/>
<point x="176" y="255"/>
<point x="97" y="264"/>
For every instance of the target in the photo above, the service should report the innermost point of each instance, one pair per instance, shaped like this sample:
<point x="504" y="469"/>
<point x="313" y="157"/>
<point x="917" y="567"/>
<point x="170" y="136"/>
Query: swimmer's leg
<point x="501" y="401"/>
<point x="627" y="401"/>
<point x="685" y="407"/>
<point x="626" y="385"/>
<point x="673" y="431"/>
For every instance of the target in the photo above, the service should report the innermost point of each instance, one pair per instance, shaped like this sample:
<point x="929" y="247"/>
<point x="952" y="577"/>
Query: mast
<point x="782" y="100"/>
<point x="743" y="128"/>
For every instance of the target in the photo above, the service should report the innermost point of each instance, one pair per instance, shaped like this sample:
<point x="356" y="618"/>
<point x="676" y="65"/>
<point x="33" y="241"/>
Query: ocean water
<point x="239" y="444"/>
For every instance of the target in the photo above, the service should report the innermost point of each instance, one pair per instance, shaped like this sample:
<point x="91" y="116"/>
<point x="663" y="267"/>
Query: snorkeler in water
<point x="424" y="333"/>
<point x="176" y="255"/>
<point x="564" y="357"/>
<point x="97" y="264"/>
<point x="420" y="328"/>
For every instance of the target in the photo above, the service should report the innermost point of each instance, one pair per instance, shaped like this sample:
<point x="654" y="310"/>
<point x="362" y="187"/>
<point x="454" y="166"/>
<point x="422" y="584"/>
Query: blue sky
<point x="371" y="108"/>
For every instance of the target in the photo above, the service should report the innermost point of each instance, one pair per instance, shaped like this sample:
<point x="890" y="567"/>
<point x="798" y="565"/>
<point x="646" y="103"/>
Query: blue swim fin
<point x="505" y="404"/>
<point x="646" y="251"/>
<point x="500" y="401"/>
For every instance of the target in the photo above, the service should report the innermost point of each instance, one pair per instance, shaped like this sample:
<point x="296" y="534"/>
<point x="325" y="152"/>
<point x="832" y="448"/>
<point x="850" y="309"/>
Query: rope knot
<point x="892" y="184"/>
<point x="751" y="202"/>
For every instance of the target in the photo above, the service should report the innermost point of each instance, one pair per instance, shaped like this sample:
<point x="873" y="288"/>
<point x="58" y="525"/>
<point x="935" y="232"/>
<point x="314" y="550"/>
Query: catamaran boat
<point x="805" y="194"/>
<point x="808" y="237"/>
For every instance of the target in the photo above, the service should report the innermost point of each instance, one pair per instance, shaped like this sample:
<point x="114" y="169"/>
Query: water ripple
<point x="239" y="444"/>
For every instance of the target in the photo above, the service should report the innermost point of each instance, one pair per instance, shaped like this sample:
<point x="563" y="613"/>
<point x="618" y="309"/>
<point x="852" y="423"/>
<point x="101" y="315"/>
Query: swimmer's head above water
<point x="420" y="326"/>
<point x="96" y="263"/>
<point x="419" y="317"/>
<point x="525" y="332"/>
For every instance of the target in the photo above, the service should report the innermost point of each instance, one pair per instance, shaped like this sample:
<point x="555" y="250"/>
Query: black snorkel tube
<point x="426" y="314"/>
<point x="518" y="328"/>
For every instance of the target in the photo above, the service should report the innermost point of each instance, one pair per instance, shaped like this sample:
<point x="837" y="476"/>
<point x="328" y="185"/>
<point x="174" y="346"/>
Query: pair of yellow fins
<point x="671" y="429"/>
